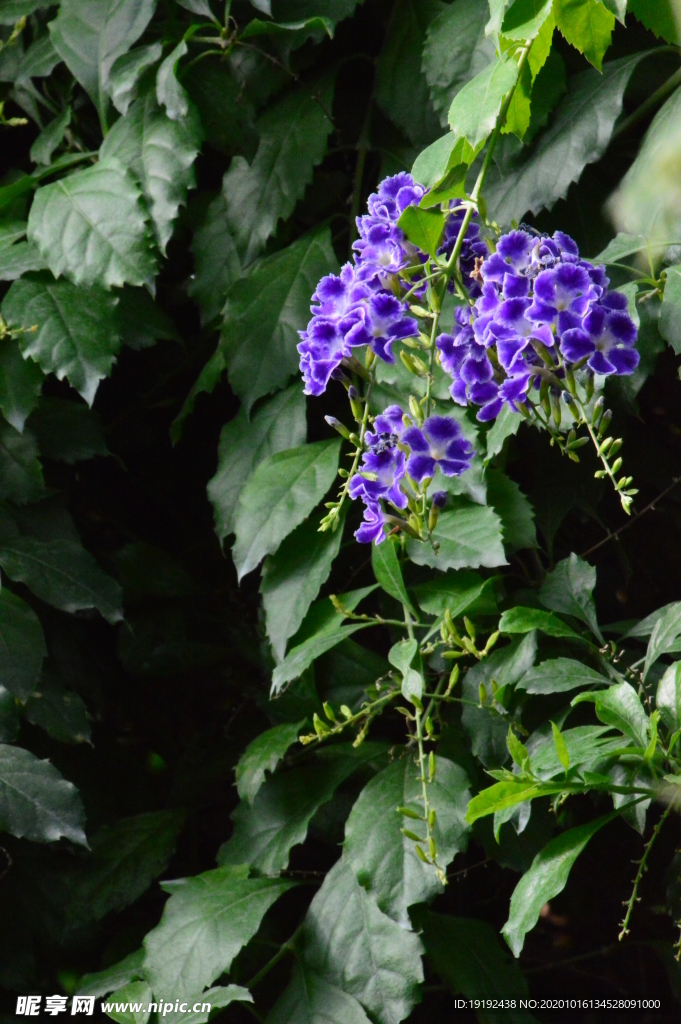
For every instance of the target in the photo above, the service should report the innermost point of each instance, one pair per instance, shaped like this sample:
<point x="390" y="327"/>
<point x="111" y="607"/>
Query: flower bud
<point x="337" y="425"/>
<point x="416" y="410"/>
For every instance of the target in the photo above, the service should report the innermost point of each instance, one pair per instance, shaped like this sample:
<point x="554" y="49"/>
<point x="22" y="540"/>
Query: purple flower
<point x="562" y="296"/>
<point x="606" y="339"/>
<point x="439" y="442"/>
<point x="388" y="429"/>
<point x="321" y="351"/>
<point x="388" y="466"/>
<point x="472" y="250"/>
<point x="380" y="322"/>
<point x="371" y="529"/>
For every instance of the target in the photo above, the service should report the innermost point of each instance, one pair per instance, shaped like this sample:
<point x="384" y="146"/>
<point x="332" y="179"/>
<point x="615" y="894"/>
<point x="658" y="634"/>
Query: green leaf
<point x="569" y="589"/>
<point x="293" y="134"/>
<point x="67" y="431"/>
<point x="620" y="707"/>
<point x="35" y="801"/>
<point x="560" y="745"/>
<point x="456" y="50"/>
<point x="668" y="698"/>
<point x="21" y="382"/>
<point x="467" y="956"/>
<point x="506" y="425"/>
<point x="522" y="620"/>
<point x="444" y="164"/>
<point x="263" y="754"/>
<point x="458" y="591"/>
<point x="401" y="88"/>
<point x="12" y="10"/>
<point x="277" y="425"/>
<point x="160" y="153"/>
<point x="141" y="322"/>
<point x="503" y="795"/>
<point x="205" y="923"/>
<point x="358" y="948"/>
<point x="126" y="72"/>
<point x="310" y="999"/>
<point x="578" y="135"/>
<point x="280" y="494"/>
<point x="292" y="578"/>
<point x="21" y="477"/>
<point x="618" y="8"/>
<point x="558" y="675"/>
<point x="514" y="510"/>
<point x="216" y="261"/>
<point x="102" y="982"/>
<point x="524" y="18"/>
<point x="545" y="879"/>
<point x="496" y="12"/>
<point x="19" y="259"/>
<point x="91" y="34"/>
<point x="50" y="138"/>
<point x="388" y="572"/>
<point x="475" y="108"/>
<point x="10" y="721"/>
<point x="665" y="632"/>
<point x="382" y="858"/>
<point x="169" y="93"/>
<point x="423" y="228"/>
<point x="301" y="657"/>
<point x="60" y="712"/>
<point x="266" y="309"/>
<point x="401" y="656"/>
<point x="660" y="16"/>
<point x="217" y="997"/>
<point x="39" y="60"/>
<point x="517" y="750"/>
<point x="22" y="645"/>
<point x="63" y="574"/>
<point x="277" y="820"/>
<point x="670" y="314"/>
<point x="586" y="746"/>
<point x="588" y="25"/>
<point x="469" y="537"/>
<point x="76" y="334"/>
<point x="91" y="226"/>
<point x="136" y="993"/>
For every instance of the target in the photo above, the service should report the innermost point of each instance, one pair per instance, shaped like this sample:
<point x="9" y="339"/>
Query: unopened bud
<point x="329" y="712"/>
<point x="337" y="425"/>
<point x="416" y="410"/>
<point x="589" y="386"/>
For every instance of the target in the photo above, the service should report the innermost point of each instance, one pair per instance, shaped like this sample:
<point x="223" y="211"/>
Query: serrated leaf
<point x="382" y="858"/>
<point x="282" y="492"/>
<point x="169" y="93"/>
<point x="578" y="135"/>
<point x="293" y="134"/>
<point x="670" y="314"/>
<point x="126" y="72"/>
<point x="558" y="675"/>
<point x="160" y="153"/>
<point x="569" y="589"/>
<point x="63" y="574"/>
<point x="358" y="948"/>
<point x="545" y="879"/>
<point x="277" y="820"/>
<point x="263" y="754"/>
<point x="91" y="227"/>
<point x="423" y="228"/>
<point x="204" y="925"/>
<point x="21" y="382"/>
<point x="514" y="510"/>
<point x="67" y="330"/>
<point x="660" y="16"/>
<point x="22" y="645"/>
<point x="587" y="25"/>
<point x="523" y="620"/>
<point x="21" y="476"/>
<point x="60" y="712"/>
<point x="266" y="309"/>
<point x="35" y="801"/>
<point x="469" y="537"/>
<point x="456" y="50"/>
<point x="91" y="34"/>
<point x="475" y="108"/>
<point x="114" y="977"/>
<point x="216" y="261"/>
<point x="524" y="18"/>
<point x="310" y="999"/>
<point x="277" y="424"/>
<point x="292" y="578"/>
<point x="388" y="572"/>
<point x="620" y="707"/>
<point x="50" y="138"/>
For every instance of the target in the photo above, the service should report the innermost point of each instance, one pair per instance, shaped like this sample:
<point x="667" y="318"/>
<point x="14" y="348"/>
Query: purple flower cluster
<point x="401" y="454"/>
<point x="537" y="299"/>
<point x="360" y="306"/>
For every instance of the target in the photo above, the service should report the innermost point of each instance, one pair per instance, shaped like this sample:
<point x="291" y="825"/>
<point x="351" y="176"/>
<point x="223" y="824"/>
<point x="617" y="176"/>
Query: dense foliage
<point x="398" y="656"/>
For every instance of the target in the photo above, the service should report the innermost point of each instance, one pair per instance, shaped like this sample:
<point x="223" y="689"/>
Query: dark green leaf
<point x="22" y="645"/>
<point x="310" y="999"/>
<point x="169" y="93"/>
<point x="19" y="259"/>
<point x="664" y="634"/>
<point x="266" y="309"/>
<point x="216" y="261"/>
<point x="524" y="18"/>
<point x="60" y="712"/>
<point x="12" y="10"/>
<point x="382" y="858"/>
<point x="514" y="510"/>
<point x="219" y="996"/>
<point x="445" y="163"/>
<point x="468" y="957"/>
<point x="103" y="982"/>
<point x="126" y="72"/>
<point x="475" y="108"/>
<point x="624" y="245"/>
<point x="67" y="431"/>
<point x="358" y="948"/>
<point x="140" y="321"/>
<point x="35" y="801"/>
<point x="21" y="477"/>
<point x="205" y="923"/>
<point x="129" y="1004"/>
<point x="91" y="226"/>
<point x="21" y="382"/>
<point x="282" y="491"/>
<point x="469" y="537"/>
<point x="263" y="754"/>
<point x="39" y="60"/>
<point x="10" y="721"/>
<point x="523" y="620"/>
<point x="401" y="655"/>
<point x="670" y="314"/>
<point x="569" y="589"/>
<point x="620" y="707"/>
<point x="458" y="591"/>
<point x="63" y="574"/>
<point x="76" y="334"/>
<point x="660" y="16"/>
<point x="292" y="578"/>
<point x="668" y="698"/>
<point x="558" y="675"/>
<point x="546" y="878"/>
<point x="506" y="425"/>
<point x="455" y="51"/>
<point x="586" y="745"/>
<point x="301" y="657"/>
<point x="388" y="573"/>
<point x="588" y="25"/>
<point x="423" y="228"/>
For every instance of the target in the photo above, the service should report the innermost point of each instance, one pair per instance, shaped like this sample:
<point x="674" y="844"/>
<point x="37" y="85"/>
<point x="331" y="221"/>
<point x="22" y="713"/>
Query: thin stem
<point x="360" y="447"/>
<point x="648" y="105"/>
<point x="281" y="952"/>
<point x="629" y="904"/>
<point x="648" y="508"/>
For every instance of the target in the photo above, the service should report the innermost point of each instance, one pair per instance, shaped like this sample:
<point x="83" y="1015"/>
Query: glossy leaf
<point x="588" y="25"/>
<point x="569" y="589"/>
<point x="129" y="1004"/>
<point x="475" y="108"/>
<point x="311" y="999"/>
<point x="382" y="858"/>
<point x="126" y="72"/>
<point x="401" y="655"/>
<point x="455" y="51"/>
<point x="514" y="510"/>
<point x="264" y="312"/>
<point x="558" y="675"/>
<point x="20" y="259"/>
<point x="524" y="18"/>
<point x="423" y="228"/>
<point x="77" y="336"/>
<point x="388" y="573"/>
<point x="469" y="537"/>
<point x="205" y="923"/>
<point x="35" y="801"/>
<point x="620" y="706"/>
<point x="665" y="632"/>
<point x="102" y="982"/>
<point x="22" y="645"/>
<point x="60" y="712"/>
<point x="660" y="16"/>
<point x="458" y="591"/>
<point x="169" y="93"/>
<point x="668" y="698"/>
<point x="588" y="747"/>
<point x="523" y="620"/>
<point x="282" y="491"/>
<point x="445" y="162"/>
<point x="361" y="950"/>
<point x="263" y="754"/>
<point x="670" y="314"/>
<point x="546" y="878"/>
